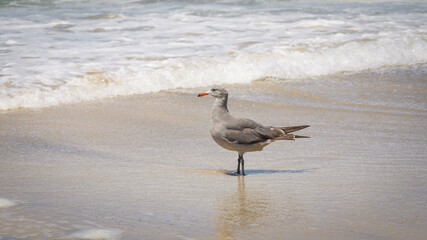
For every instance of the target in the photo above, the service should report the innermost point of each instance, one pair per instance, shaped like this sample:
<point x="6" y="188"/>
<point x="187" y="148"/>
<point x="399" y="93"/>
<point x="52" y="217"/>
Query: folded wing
<point x="246" y="131"/>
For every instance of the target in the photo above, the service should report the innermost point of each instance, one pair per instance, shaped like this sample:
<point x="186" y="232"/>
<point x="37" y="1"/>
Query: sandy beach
<point x="102" y="135"/>
<point x="145" y="167"/>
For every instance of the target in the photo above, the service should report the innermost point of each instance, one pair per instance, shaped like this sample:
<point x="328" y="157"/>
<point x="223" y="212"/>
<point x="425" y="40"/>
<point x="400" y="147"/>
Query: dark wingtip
<point x="294" y="128"/>
<point x="298" y="136"/>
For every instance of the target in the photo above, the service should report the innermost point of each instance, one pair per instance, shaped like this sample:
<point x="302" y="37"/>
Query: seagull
<point x="240" y="134"/>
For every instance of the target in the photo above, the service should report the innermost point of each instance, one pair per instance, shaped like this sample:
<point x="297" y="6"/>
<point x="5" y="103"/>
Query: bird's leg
<point x="238" y="165"/>
<point x="242" y="161"/>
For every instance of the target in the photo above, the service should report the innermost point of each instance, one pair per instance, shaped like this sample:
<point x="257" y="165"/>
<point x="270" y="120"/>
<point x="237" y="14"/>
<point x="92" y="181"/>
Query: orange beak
<point x="202" y="94"/>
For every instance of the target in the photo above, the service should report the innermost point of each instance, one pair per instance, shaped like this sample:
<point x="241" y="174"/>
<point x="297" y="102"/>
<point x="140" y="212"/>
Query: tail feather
<point x="290" y="137"/>
<point x="293" y="128"/>
<point x="287" y="130"/>
<point x="286" y="137"/>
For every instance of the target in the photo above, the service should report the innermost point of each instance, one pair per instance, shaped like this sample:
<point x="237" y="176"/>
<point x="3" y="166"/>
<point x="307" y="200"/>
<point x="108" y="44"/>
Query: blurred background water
<point x="60" y="51"/>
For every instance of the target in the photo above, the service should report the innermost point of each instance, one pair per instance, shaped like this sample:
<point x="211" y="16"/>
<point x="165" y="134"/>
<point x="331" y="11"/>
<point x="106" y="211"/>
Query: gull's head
<point x="216" y="92"/>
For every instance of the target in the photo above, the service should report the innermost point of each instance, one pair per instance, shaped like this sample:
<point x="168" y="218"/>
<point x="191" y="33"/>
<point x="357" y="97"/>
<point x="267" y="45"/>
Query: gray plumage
<point x="240" y="134"/>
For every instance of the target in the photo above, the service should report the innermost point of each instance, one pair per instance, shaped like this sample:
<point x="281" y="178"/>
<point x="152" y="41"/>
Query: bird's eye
<point x="213" y="89"/>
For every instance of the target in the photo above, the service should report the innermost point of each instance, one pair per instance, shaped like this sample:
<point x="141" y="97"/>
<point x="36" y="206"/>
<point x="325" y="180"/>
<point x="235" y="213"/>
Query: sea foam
<point x="4" y="203"/>
<point x="281" y="63"/>
<point x="49" y="60"/>
<point x="96" y="234"/>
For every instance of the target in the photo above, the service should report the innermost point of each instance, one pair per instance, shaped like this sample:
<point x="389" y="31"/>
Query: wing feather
<point x="246" y="131"/>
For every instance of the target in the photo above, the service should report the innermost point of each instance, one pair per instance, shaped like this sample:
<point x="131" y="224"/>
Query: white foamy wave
<point x="96" y="234"/>
<point x="4" y="203"/>
<point x="351" y="56"/>
<point x="96" y="52"/>
<point x="282" y="63"/>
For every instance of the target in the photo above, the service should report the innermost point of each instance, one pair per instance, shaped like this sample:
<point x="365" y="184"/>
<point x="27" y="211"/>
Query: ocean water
<point x="58" y="51"/>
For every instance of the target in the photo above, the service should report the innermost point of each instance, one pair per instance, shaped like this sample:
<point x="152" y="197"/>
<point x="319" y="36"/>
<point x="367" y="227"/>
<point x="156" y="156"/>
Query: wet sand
<point x="145" y="167"/>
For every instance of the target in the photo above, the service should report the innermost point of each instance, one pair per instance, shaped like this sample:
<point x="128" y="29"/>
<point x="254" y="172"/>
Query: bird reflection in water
<point x="240" y="210"/>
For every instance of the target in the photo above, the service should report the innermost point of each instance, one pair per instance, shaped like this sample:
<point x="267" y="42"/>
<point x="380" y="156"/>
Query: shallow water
<point x="146" y="167"/>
